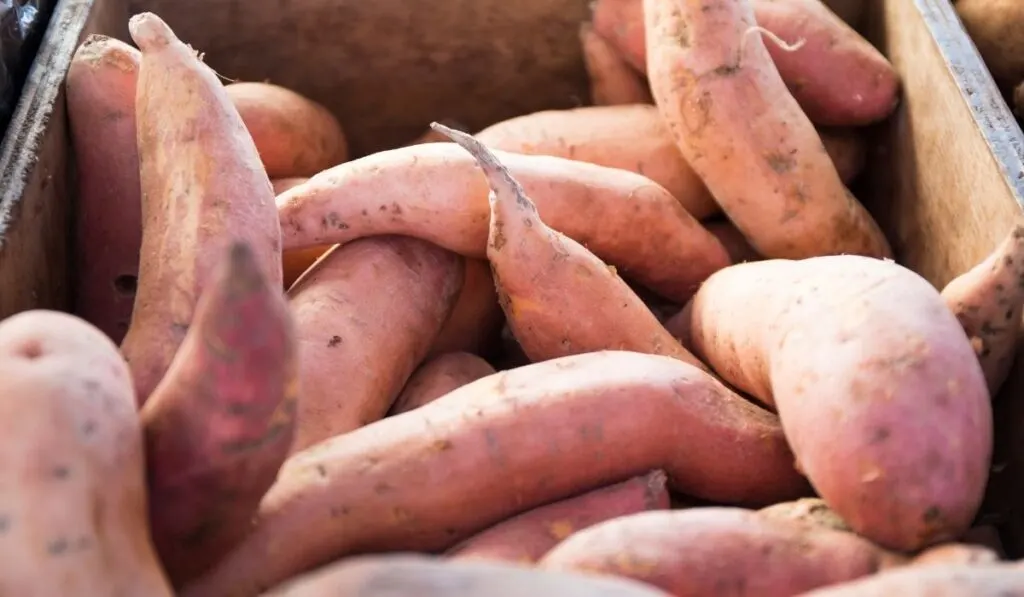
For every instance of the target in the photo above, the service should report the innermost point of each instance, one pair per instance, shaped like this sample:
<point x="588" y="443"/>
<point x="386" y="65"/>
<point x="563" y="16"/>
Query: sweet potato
<point x="295" y="263"/>
<point x="108" y="230"/>
<point x="437" y="377"/>
<point x="746" y="137"/>
<point x="988" y="300"/>
<point x="810" y="511"/>
<point x="202" y="188"/>
<point x="476" y="318"/>
<point x="878" y="389"/>
<point x="72" y="486"/>
<point x="541" y="276"/>
<point x="847" y="149"/>
<point x="366" y="315"/>
<point x="612" y="80"/>
<point x="221" y="422"/>
<point x="713" y="551"/>
<point x="507" y="443"/>
<point x="995" y="28"/>
<point x="436" y="192"/>
<point x="835" y="75"/>
<point x="294" y="135"/>
<point x="732" y="239"/>
<point x="527" y="537"/>
<point x="423" y="576"/>
<point x="955" y="553"/>
<point x="965" y="580"/>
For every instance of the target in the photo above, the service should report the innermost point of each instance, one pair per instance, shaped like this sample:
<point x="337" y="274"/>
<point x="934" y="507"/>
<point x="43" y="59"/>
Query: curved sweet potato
<point x="366" y="316"/>
<point x="297" y="262"/>
<point x="870" y="348"/>
<point x="108" y="228"/>
<point x="402" y="483"/>
<point x="73" y="497"/>
<point x="437" y="377"/>
<point x="476" y="318"/>
<point x="810" y="511"/>
<point x="612" y="80"/>
<point x="435" y="191"/>
<point x="965" y="580"/>
<point x="192" y="211"/>
<point x="773" y="179"/>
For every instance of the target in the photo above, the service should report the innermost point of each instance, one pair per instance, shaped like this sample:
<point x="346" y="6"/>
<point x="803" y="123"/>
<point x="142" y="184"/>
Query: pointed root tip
<point x="150" y="32"/>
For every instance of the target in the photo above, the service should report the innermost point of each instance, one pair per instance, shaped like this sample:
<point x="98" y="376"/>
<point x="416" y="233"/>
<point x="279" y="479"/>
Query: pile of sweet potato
<point x="653" y="346"/>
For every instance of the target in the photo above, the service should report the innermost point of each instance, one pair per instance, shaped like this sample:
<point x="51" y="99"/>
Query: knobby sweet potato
<point x="203" y="186"/>
<point x="426" y="479"/>
<point x="988" y="300"/>
<point x="965" y="580"/>
<point x="745" y="136"/>
<point x="437" y="377"/>
<point x="612" y="80"/>
<point x="423" y="576"/>
<point x="108" y="230"/>
<point x="558" y="298"/>
<point x="295" y="263"/>
<point x="527" y="537"/>
<point x="476" y="318"/>
<point x="811" y="511"/>
<point x="221" y="422"/>
<point x="713" y="551"/>
<point x="294" y="135"/>
<point x="72" y="486"/>
<point x="877" y="386"/>
<point x="366" y="315"/>
<point x="435" y="191"/>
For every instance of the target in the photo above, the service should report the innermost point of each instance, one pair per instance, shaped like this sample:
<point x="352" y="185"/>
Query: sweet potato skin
<point x="108" y="230"/>
<point x="476" y="319"/>
<point x="438" y="376"/>
<point x="862" y="343"/>
<point x="612" y="80"/>
<point x="527" y="537"/>
<point x="406" y="478"/>
<point x="970" y="580"/>
<point x="366" y="315"/>
<point x="294" y="135"/>
<point x="810" y="511"/>
<point x="71" y="464"/>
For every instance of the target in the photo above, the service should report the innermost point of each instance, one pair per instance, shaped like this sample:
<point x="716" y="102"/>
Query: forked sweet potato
<point x="476" y="318"/>
<point x="746" y="137"/>
<point x="221" y="422"/>
<point x="613" y="81"/>
<point x="295" y="263"/>
<point x="294" y="135"/>
<point x="876" y="384"/>
<point x="527" y="537"/>
<point x="108" y="230"/>
<point x="72" y="485"/>
<point x="203" y="187"/>
<point x="512" y="441"/>
<point x="965" y="580"/>
<point x="438" y="376"/>
<point x="435" y="191"/>
<point x="558" y="298"/>
<point x="713" y="551"/>
<point x="366" y="315"/>
<point x="988" y="300"/>
<point x="810" y="511"/>
<point x="422" y="576"/>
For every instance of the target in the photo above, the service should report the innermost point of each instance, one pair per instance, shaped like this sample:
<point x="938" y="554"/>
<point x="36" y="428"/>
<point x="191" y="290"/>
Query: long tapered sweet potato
<point x="203" y="187"/>
<point x="221" y="422"/>
<point x="612" y="80"/>
<point x="438" y="376"/>
<point x="876" y="384"/>
<point x="558" y="298"/>
<point x="108" y="230"/>
<point x="476" y="319"/>
<point x="713" y="551"/>
<point x="366" y="315"/>
<point x="988" y="300"/>
<point x="435" y="191"/>
<point x="72" y="485"/>
<point x="745" y="135"/>
<point x="423" y="576"/>
<point x="965" y="580"/>
<point x="527" y="537"/>
<point x="512" y="441"/>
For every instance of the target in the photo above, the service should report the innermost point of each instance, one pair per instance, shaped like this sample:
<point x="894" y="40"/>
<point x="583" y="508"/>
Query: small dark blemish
<point x="321" y="470"/>
<point x="61" y="472"/>
<point x="334" y="341"/>
<point x="57" y="547"/>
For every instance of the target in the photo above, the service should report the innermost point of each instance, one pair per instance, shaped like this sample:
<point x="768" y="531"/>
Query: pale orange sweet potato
<point x="558" y="298"/>
<point x="366" y="316"/>
<point x="613" y="81"/>
<point x="424" y="576"/>
<point x="964" y="580"/>
<point x="811" y="511"/>
<point x="746" y="137"/>
<point x="988" y="300"/>
<point x="295" y="263"/>
<point x="527" y="537"/>
<point x="72" y="485"/>
<point x="476" y="318"/>
<point x="294" y="135"/>
<point x="714" y="551"/>
<point x="203" y="186"/>
<point x="507" y="443"/>
<point x="438" y="376"/>
<point x="435" y="191"/>
<point x="221" y="422"/>
<point x="876" y="384"/>
<point x="108" y="227"/>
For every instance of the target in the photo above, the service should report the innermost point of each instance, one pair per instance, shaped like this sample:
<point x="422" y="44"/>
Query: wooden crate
<point x="945" y="178"/>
